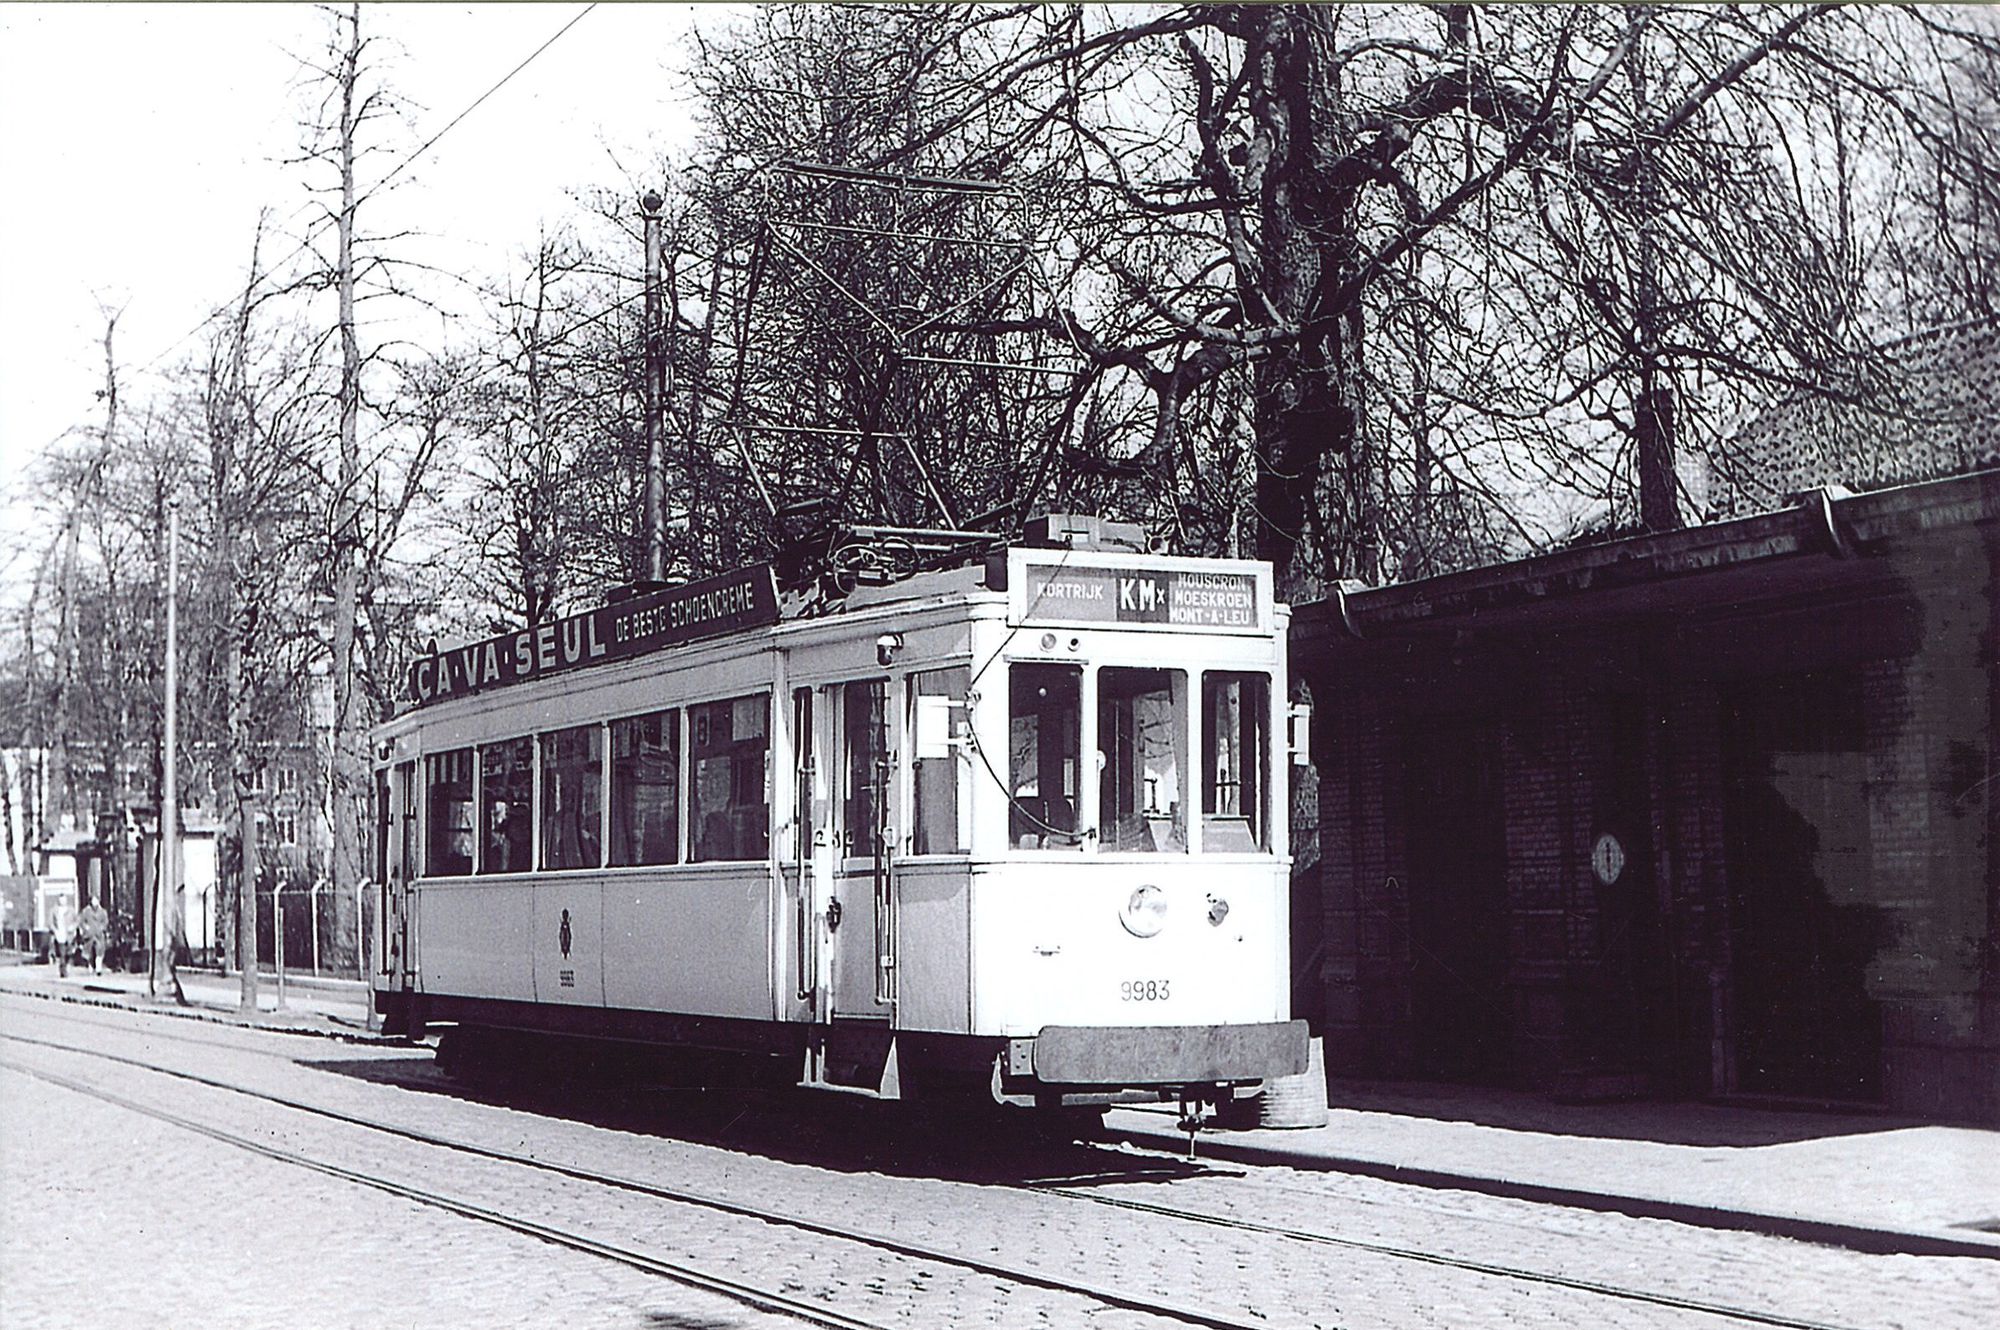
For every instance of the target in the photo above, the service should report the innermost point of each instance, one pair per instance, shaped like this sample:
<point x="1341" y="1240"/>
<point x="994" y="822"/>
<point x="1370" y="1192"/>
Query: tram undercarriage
<point x="1061" y="1067"/>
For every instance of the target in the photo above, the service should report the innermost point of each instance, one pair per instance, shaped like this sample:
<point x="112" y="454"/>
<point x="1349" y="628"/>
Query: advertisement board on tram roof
<point x="671" y="616"/>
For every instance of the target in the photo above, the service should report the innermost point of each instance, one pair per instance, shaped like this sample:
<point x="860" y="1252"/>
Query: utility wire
<point x="313" y="232"/>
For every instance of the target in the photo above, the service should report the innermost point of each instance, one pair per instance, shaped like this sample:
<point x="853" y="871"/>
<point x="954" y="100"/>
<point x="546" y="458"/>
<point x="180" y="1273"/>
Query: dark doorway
<point x="1459" y="1004"/>
<point x="1620" y="1022"/>
<point x="1803" y="925"/>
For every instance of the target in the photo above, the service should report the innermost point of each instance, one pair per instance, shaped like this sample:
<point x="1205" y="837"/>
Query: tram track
<point x="1181" y="1313"/>
<point x="998" y="1269"/>
<point x="1745" y="1315"/>
<point x="679" y="1272"/>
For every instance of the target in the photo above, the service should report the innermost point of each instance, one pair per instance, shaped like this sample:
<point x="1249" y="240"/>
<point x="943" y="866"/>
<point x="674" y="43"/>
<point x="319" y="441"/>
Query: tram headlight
<point x="1145" y="912"/>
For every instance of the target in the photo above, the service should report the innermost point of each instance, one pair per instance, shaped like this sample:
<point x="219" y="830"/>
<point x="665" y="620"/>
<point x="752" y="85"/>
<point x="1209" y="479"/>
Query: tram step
<point x="859" y="1058"/>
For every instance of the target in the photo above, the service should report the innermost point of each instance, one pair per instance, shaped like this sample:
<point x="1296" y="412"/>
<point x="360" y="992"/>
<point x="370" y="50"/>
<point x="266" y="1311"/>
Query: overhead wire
<point x="313" y="232"/>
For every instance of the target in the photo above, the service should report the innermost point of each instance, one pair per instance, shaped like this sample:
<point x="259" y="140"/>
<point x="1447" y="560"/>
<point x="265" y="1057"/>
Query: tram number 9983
<point x="1143" y="990"/>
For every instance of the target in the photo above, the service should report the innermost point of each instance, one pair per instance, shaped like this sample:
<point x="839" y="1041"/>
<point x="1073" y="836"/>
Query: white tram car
<point x="1016" y="829"/>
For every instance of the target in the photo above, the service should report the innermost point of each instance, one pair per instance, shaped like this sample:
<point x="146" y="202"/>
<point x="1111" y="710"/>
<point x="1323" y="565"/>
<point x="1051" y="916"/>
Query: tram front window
<point x="1141" y="753"/>
<point x="1045" y="710"/>
<point x="1235" y="735"/>
<point x="506" y="789"/>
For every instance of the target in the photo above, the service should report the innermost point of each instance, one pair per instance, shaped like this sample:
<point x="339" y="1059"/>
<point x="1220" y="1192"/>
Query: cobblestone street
<point x="113" y="1216"/>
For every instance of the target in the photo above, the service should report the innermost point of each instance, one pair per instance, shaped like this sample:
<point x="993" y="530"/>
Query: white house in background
<point x="200" y="883"/>
<point x="64" y="866"/>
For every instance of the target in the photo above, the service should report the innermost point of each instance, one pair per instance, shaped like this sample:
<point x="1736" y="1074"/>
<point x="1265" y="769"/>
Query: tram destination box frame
<point x="1159" y="593"/>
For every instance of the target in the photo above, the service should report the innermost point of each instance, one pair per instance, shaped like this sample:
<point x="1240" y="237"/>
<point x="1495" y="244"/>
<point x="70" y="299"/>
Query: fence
<point x="324" y="931"/>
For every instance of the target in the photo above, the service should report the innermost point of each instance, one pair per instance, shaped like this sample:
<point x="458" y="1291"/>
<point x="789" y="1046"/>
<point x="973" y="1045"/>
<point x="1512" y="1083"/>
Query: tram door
<point x="397" y="865"/>
<point x="860" y="915"/>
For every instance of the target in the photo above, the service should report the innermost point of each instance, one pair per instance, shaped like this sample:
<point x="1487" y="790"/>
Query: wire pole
<point x="656" y="460"/>
<point x="161" y="980"/>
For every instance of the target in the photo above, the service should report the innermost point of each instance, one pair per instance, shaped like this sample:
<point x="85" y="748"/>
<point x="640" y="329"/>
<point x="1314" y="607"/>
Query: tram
<point x="1015" y="828"/>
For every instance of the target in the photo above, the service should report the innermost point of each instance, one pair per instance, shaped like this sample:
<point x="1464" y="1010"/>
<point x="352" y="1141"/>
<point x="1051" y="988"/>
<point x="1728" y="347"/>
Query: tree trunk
<point x="246" y="897"/>
<point x="236" y="762"/>
<point x="1659" y="480"/>
<point x="1308" y="395"/>
<point x="1653" y="405"/>
<point x="348" y="765"/>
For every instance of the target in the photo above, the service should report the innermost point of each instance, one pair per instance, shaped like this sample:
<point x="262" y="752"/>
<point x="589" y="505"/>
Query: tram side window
<point x="506" y="791"/>
<point x="448" y="785"/>
<point x="865" y="741"/>
<point x="646" y="789"/>
<point x="1045" y="711"/>
<point x="941" y="823"/>
<point x="572" y="796"/>
<point x="729" y="745"/>
<point x="1235" y="737"/>
<point x="1142" y="753"/>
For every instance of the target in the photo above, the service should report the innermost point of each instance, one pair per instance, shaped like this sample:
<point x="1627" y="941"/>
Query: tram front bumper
<point x="1160" y="1054"/>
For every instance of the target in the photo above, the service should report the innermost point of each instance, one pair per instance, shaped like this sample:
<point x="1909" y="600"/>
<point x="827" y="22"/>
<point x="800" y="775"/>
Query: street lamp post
<point x="161" y="980"/>
<point x="656" y="455"/>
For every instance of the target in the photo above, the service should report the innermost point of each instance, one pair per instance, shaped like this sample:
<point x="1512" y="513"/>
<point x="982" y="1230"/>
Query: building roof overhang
<point x="1827" y="543"/>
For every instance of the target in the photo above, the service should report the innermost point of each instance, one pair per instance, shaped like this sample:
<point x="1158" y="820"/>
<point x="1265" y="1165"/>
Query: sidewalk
<point x="313" y="1005"/>
<point x="1869" y="1182"/>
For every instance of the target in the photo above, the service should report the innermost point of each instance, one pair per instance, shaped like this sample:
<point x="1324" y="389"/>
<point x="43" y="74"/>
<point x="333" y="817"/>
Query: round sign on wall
<point x="1607" y="858"/>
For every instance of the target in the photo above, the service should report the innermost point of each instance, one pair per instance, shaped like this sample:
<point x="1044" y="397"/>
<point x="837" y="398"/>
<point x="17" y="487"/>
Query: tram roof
<point x="1052" y="585"/>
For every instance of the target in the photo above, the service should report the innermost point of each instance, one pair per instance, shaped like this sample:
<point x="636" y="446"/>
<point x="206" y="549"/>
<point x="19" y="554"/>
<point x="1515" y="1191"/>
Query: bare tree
<point x="362" y="518"/>
<point x="255" y="412"/>
<point x="1371" y="280"/>
<point x="524" y="417"/>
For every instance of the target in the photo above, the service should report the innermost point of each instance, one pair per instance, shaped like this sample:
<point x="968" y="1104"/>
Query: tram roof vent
<point x="1084" y="531"/>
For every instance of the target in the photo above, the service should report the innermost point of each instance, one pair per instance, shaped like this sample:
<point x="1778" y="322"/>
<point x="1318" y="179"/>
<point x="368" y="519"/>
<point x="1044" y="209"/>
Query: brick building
<point x="1709" y="812"/>
<point x="1930" y="412"/>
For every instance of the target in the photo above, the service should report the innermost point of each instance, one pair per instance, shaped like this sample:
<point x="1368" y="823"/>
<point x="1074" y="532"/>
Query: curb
<point x="1874" y="1241"/>
<point x="273" y="1021"/>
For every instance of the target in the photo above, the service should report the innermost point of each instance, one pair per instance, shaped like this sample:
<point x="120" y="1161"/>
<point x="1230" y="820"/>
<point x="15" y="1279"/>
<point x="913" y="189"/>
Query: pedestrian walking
<point x="93" y="929"/>
<point x="62" y="933"/>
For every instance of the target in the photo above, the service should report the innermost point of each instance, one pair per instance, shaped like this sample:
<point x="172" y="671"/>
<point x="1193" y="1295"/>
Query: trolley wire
<point x="313" y="232"/>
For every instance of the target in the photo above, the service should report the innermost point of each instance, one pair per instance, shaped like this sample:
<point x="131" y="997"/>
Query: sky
<point x="140" y="142"/>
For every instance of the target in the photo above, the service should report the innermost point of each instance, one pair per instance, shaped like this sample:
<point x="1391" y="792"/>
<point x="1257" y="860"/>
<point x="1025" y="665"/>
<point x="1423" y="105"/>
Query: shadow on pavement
<point x="962" y="1142"/>
<point x="1667" y="1122"/>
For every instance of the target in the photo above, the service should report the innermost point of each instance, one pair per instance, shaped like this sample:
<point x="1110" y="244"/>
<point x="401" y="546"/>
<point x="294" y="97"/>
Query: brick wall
<point x="1622" y="730"/>
<point x="1366" y="958"/>
<point x="1931" y="765"/>
<point x="1549" y="924"/>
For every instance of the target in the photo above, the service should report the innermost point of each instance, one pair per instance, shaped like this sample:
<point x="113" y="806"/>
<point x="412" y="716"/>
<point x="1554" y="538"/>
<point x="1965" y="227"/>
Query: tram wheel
<point x="1076" y="1122"/>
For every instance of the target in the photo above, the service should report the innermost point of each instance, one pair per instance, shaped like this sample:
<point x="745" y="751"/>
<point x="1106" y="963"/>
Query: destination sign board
<point x="1183" y="598"/>
<point x="746" y="598"/>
